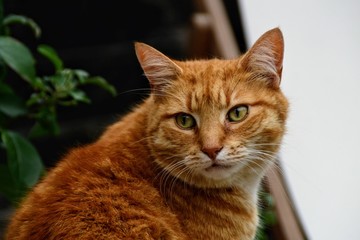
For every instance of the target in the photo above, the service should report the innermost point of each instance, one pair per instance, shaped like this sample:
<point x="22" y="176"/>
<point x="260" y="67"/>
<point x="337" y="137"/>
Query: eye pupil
<point x="237" y="113"/>
<point x="185" y="121"/>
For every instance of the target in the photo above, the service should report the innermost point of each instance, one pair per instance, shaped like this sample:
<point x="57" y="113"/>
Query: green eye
<point x="238" y="113"/>
<point x="185" y="121"/>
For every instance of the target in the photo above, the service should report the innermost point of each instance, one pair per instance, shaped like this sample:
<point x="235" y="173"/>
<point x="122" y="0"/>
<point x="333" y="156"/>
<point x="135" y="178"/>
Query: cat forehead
<point x="209" y="74"/>
<point x="212" y="81"/>
<point x="210" y="69"/>
<point x="211" y="84"/>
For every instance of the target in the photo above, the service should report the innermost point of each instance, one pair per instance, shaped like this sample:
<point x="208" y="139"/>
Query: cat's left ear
<point x="158" y="68"/>
<point x="265" y="58"/>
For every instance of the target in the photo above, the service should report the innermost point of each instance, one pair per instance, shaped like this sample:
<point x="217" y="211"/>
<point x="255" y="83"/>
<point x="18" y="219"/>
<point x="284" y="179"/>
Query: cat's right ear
<point x="158" y="68"/>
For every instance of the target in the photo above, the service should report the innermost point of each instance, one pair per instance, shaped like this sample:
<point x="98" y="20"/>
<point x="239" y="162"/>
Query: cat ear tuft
<point x="265" y="57"/>
<point x="158" y="68"/>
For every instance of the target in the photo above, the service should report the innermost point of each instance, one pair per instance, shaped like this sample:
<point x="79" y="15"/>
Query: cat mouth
<point x="216" y="166"/>
<point x="218" y="171"/>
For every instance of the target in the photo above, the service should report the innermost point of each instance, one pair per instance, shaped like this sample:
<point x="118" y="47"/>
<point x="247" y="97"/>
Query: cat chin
<point x="219" y="172"/>
<point x="229" y="176"/>
<point x="217" y="176"/>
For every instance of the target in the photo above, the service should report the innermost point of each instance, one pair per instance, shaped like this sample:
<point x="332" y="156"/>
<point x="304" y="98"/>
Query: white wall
<point x="321" y="77"/>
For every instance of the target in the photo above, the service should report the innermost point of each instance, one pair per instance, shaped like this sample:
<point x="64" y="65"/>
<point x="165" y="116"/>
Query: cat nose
<point x="212" y="151"/>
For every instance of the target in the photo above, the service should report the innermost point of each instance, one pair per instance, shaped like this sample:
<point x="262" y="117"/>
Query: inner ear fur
<point x="158" y="68"/>
<point x="265" y="57"/>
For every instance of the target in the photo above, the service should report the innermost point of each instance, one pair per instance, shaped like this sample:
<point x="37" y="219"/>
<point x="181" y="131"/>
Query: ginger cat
<point x="185" y="164"/>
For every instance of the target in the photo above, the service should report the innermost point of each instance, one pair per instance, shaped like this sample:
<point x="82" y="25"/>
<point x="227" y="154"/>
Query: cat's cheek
<point x="169" y="132"/>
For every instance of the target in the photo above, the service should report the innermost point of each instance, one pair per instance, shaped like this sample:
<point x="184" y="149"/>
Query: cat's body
<point x="185" y="164"/>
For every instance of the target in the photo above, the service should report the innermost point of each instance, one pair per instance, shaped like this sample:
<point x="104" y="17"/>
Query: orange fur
<point x="148" y="178"/>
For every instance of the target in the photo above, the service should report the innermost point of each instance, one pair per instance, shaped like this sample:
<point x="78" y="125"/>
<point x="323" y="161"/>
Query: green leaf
<point x="10" y="104"/>
<point x="269" y="200"/>
<point x="261" y="235"/>
<point x="80" y="96"/>
<point x="7" y="186"/>
<point x="41" y="129"/>
<point x="24" y="162"/>
<point x="52" y="55"/>
<point x="101" y="82"/>
<point x="39" y="84"/>
<point x="35" y="99"/>
<point x="63" y="83"/>
<point x="18" y="57"/>
<point x="81" y="75"/>
<point x="19" y="19"/>
<point x="269" y="217"/>
<point x="46" y="124"/>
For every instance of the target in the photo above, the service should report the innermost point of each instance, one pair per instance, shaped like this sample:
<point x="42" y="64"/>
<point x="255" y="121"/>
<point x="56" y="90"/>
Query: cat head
<point x="216" y="123"/>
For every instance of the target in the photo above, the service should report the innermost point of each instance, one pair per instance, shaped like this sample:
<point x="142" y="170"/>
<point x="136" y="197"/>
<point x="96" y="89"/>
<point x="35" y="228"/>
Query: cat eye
<point x="185" y="121"/>
<point x="238" y="113"/>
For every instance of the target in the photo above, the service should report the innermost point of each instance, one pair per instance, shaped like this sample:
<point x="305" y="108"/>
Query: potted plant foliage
<point x="21" y="165"/>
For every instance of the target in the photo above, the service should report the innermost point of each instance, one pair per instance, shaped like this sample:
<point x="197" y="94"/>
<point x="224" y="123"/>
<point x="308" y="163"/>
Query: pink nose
<point x="212" y="152"/>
